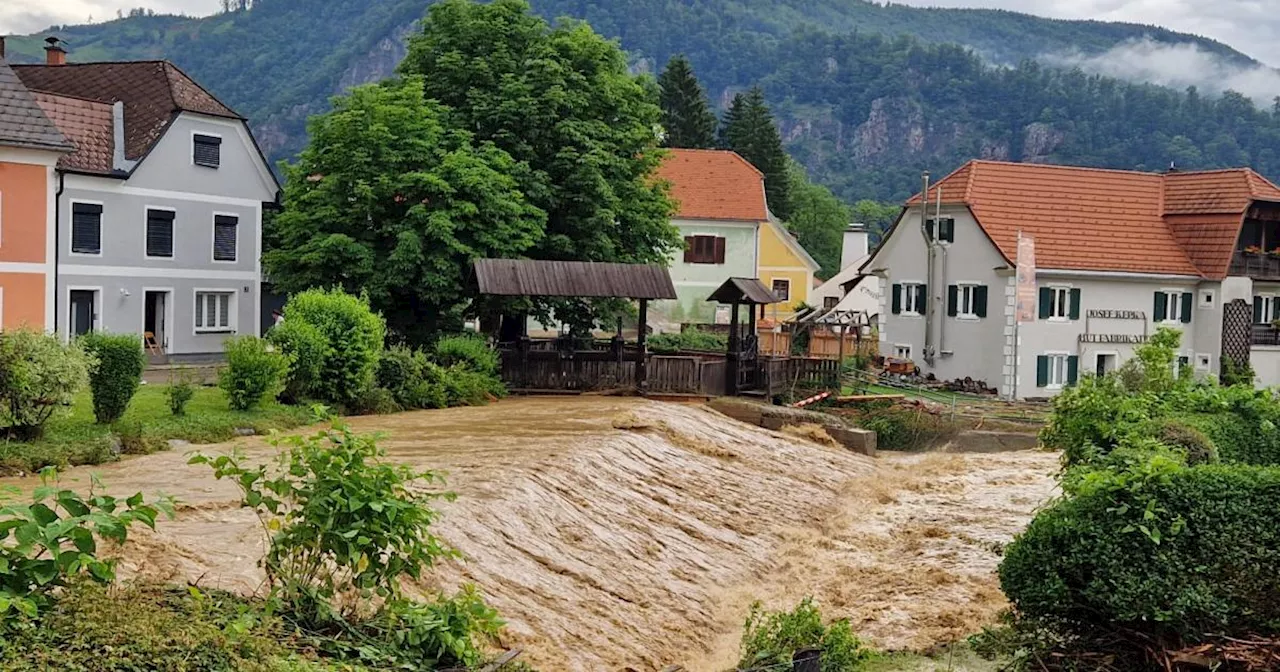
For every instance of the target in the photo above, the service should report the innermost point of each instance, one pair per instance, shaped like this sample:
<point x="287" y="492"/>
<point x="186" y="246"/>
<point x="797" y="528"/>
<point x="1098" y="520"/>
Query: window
<point x="224" y="237"/>
<point x="1266" y="309"/>
<point x="160" y="233"/>
<point x="1106" y="363"/>
<point x="967" y="301"/>
<point x="909" y="298"/>
<point x="213" y="311"/>
<point x="703" y="250"/>
<point x="1181" y="364"/>
<point x="1059" y="303"/>
<point x="782" y="290"/>
<point x="830" y="302"/>
<point x="206" y="150"/>
<point x="902" y="351"/>
<point x="86" y="228"/>
<point x="1204" y="362"/>
<point x="1056" y="370"/>
<point x="1206" y="298"/>
<point x="945" y="228"/>
<point x="1172" y="305"/>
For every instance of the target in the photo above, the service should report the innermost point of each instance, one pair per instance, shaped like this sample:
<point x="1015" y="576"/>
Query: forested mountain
<point x="867" y="94"/>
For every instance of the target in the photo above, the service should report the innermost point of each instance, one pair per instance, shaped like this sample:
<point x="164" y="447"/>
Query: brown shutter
<point x="689" y="242"/>
<point x="719" y="250"/>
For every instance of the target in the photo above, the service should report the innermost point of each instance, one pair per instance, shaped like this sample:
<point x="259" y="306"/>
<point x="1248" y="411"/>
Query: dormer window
<point x="206" y="150"/>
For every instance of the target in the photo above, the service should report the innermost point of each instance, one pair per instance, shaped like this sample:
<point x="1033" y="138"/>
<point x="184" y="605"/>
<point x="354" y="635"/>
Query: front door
<point x="1106" y="364"/>
<point x="154" y="320"/>
<point x="84" y="311"/>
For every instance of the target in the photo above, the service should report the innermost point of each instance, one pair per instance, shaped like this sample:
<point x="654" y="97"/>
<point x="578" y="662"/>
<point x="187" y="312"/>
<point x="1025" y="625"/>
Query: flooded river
<point x="620" y="533"/>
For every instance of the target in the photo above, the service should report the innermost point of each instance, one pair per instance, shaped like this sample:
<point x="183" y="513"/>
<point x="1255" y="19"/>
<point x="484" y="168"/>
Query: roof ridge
<point x="77" y="64"/>
<point x="55" y="94"/>
<point x="1056" y="166"/>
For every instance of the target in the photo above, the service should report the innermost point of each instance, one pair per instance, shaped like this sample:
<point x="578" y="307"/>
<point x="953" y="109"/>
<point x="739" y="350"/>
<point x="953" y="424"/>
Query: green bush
<point x="308" y="349"/>
<point x="115" y="379"/>
<point x="465" y="387"/>
<point x="1174" y="433"/>
<point x="691" y="340"/>
<point x="181" y="390"/>
<point x="375" y="401"/>
<point x="39" y="375"/>
<point x="1168" y="551"/>
<point x="770" y="639"/>
<point x="469" y="351"/>
<point x="1237" y="374"/>
<point x="413" y="380"/>
<point x="254" y="371"/>
<point x="353" y="334"/>
<point x="900" y="428"/>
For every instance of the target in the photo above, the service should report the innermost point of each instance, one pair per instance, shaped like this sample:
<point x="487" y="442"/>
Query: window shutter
<point x="922" y="299"/>
<point x="953" y="296"/>
<point x="1186" y="308"/>
<point x="1046" y="301"/>
<point x="1042" y="371"/>
<point x="897" y="299"/>
<point x="980" y="301"/>
<point x="1073" y="369"/>
<point x="1075" y="304"/>
<point x="86" y="228"/>
<point x="207" y="150"/>
<point x="159" y="233"/>
<point x="224" y="237"/>
<point x="1257" y="310"/>
<point x="719" y="250"/>
<point x="1161" y="307"/>
<point x="1275" y="310"/>
<point x="688" y="249"/>
<point x="929" y="226"/>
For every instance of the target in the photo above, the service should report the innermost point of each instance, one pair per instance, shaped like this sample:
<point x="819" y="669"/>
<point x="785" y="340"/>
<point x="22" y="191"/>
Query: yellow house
<point x="785" y="267"/>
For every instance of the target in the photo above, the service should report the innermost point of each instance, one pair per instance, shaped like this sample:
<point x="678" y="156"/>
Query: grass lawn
<point x="74" y="438"/>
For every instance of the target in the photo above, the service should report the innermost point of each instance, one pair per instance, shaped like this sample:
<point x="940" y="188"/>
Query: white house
<point x="850" y="290"/>
<point x="1118" y="254"/>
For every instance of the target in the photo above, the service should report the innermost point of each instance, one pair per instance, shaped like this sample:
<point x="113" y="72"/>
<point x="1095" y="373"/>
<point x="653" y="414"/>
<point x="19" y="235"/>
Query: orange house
<point x="30" y="146"/>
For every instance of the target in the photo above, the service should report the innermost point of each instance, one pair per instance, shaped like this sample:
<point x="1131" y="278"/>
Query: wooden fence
<point x="686" y="375"/>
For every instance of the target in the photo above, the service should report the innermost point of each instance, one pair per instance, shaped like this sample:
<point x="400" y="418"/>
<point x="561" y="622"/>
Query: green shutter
<point x="1046" y="298"/>
<point x="951" y="230"/>
<point x="953" y="300"/>
<point x="1162" y="307"/>
<point x="1073" y="369"/>
<point x="1186" y="308"/>
<point x="928" y="228"/>
<point x="1275" y="310"/>
<point x="922" y="299"/>
<point x="1042" y="371"/>
<point x="897" y="299"/>
<point x="980" y="301"/>
<point x="1257" y="310"/>
<point x="1075" y="304"/>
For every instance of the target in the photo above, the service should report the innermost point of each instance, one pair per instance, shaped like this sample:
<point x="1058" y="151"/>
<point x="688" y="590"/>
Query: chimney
<point x="54" y="54"/>
<point x="118" y="162"/>
<point x="855" y="245"/>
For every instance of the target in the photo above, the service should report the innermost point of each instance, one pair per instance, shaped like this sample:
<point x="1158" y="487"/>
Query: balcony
<point x="1255" y="265"/>
<point x="1266" y="334"/>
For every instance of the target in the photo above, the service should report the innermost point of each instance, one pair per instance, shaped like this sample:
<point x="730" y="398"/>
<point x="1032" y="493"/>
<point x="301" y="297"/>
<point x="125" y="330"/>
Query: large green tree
<point x="562" y="103"/>
<point x="387" y="199"/>
<point x="818" y="219"/>
<point x="750" y="130"/>
<point x="687" y="119"/>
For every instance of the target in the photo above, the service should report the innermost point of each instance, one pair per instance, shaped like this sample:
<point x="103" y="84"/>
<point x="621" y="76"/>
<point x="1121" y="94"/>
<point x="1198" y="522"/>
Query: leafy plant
<point x="442" y="633"/>
<point x="471" y="352"/>
<point x="353" y="335"/>
<point x="308" y="349"/>
<point x="771" y="638"/>
<point x="46" y="543"/>
<point x="115" y="379"/>
<point x="1234" y="373"/>
<point x="181" y="390"/>
<point x="39" y="375"/>
<point x="254" y="371"/>
<point x="689" y="339"/>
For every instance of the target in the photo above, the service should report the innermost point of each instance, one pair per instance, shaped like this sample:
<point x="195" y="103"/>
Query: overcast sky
<point x="1252" y="26"/>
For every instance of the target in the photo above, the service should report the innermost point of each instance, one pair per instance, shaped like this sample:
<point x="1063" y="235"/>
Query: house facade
<point x="158" y="213"/>
<point x="850" y="290"/>
<point x="1118" y="255"/>
<point x="787" y="269"/>
<point x="30" y="146"/>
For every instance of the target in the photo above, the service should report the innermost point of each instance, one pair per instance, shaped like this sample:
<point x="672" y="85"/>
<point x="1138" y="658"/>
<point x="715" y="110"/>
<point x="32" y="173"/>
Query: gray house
<point x="158" y="209"/>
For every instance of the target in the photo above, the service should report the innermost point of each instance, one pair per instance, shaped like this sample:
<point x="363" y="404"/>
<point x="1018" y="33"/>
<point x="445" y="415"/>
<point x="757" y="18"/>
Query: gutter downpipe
<point x="942" y="322"/>
<point x="924" y="233"/>
<point x="57" y="245"/>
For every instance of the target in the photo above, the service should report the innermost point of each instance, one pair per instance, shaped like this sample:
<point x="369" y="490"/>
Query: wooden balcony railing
<point x="1256" y="265"/>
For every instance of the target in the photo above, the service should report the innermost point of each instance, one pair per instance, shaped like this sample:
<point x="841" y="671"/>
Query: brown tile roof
<point x="152" y="93"/>
<point x="88" y="124"/>
<point x="714" y="184"/>
<point x="22" y="123"/>
<point x="1109" y="220"/>
<point x="531" y="277"/>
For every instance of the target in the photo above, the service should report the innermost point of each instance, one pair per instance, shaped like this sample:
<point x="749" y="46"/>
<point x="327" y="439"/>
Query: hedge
<point x="354" y="335"/>
<point x="115" y="379"/>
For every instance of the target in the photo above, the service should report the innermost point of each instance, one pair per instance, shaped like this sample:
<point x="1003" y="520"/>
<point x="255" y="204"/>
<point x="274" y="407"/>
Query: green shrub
<point x="1199" y="448"/>
<point x="181" y="390"/>
<point x="129" y="434"/>
<point x="308" y="349"/>
<point x="465" y="387"/>
<point x="353" y="334"/>
<point x="442" y="634"/>
<point x="771" y="639"/>
<point x="900" y="428"/>
<point x="39" y="375"/>
<point x="115" y="379"/>
<point x="469" y="351"/>
<point x="254" y="371"/>
<point x="691" y="340"/>
<point x="1168" y="551"/>
<point x="375" y="401"/>
<point x="1236" y="373"/>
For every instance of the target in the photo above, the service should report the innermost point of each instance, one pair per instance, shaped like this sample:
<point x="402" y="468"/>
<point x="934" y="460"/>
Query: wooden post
<point x="642" y="381"/>
<point x="731" y="357"/>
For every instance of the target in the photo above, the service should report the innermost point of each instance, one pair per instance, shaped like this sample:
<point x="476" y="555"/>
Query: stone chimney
<point x="54" y="54"/>
<point x="855" y="245"/>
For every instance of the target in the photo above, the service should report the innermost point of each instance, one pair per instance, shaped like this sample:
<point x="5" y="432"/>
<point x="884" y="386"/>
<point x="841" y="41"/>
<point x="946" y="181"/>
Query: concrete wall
<point x="695" y="282"/>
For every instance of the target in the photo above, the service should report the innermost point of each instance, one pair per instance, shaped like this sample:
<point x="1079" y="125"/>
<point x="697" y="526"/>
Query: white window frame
<point x="1208" y="300"/>
<point x="1057" y="356"/>
<point x="775" y="281"/>
<point x="173" y="234"/>
<point x="966" y="300"/>
<point x="1173" y="305"/>
<point x="1063" y="291"/>
<point x="1204" y="361"/>
<point x="1104" y="353"/>
<point x="97" y="304"/>
<point x="899" y="347"/>
<point x="192" y="151"/>
<point x="213" y="237"/>
<point x="1268" y="306"/>
<point x="232" y="311"/>
<point x="908" y="298"/>
<point x="102" y="228"/>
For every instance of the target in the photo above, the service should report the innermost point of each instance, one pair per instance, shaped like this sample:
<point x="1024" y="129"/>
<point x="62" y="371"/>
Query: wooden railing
<point x="1256" y="265"/>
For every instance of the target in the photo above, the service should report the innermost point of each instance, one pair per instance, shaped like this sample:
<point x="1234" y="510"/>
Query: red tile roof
<point x="1109" y="220"/>
<point x="152" y="92"/>
<point x="88" y="124"/>
<point x="714" y="184"/>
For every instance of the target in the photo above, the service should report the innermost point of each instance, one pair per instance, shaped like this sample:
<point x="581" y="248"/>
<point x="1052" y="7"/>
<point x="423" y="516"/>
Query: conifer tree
<point x="749" y="129"/>
<point x="686" y="113"/>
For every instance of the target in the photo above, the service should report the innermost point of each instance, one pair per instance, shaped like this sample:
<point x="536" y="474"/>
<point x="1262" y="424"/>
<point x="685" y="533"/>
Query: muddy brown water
<point x="620" y="533"/>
